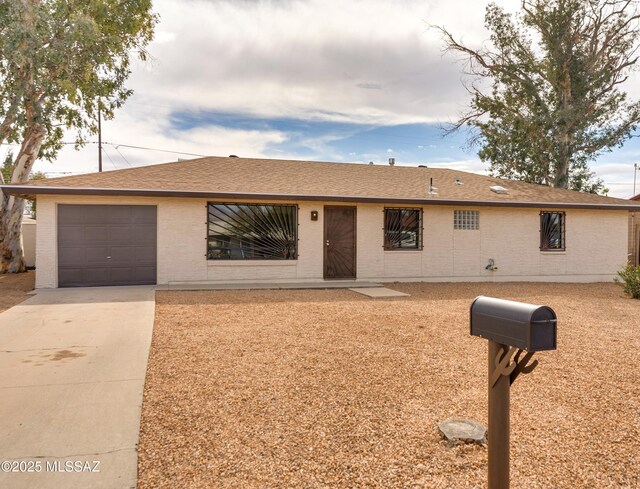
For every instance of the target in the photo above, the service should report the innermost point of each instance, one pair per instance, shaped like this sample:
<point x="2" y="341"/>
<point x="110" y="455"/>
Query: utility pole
<point x="635" y="171"/>
<point x="99" y="142"/>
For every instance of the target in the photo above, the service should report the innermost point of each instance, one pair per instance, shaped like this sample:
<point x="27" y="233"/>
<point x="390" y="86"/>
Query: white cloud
<point x="372" y="61"/>
<point x="153" y="130"/>
<point x="618" y="178"/>
<point x="365" y="61"/>
<point x="471" y="165"/>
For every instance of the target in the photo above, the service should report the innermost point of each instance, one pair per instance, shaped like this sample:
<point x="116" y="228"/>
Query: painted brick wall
<point x="438" y="243"/>
<point x="597" y="246"/>
<point x="370" y="241"/>
<point x="46" y="260"/>
<point x="182" y="228"/>
<point x="310" y="242"/>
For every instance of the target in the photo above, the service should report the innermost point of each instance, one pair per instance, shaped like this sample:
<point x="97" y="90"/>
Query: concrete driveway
<point x="72" y="370"/>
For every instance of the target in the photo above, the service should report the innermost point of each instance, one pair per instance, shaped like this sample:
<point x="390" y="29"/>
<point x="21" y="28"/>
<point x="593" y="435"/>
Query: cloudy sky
<point x="337" y="80"/>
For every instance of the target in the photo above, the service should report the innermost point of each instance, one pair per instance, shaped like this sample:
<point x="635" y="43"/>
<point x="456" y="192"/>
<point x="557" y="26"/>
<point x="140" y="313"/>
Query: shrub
<point x="629" y="278"/>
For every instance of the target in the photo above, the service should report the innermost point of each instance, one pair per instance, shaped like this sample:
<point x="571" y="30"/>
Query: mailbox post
<point x="511" y="328"/>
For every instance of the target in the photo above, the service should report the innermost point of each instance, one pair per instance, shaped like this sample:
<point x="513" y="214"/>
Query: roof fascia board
<point x="19" y="190"/>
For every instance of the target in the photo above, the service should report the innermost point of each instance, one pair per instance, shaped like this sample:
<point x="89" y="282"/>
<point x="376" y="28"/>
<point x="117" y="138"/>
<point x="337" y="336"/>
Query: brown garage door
<point x="106" y="245"/>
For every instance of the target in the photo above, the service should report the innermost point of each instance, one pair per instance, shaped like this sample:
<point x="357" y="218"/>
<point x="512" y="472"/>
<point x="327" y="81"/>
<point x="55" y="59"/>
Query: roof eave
<point x="20" y="191"/>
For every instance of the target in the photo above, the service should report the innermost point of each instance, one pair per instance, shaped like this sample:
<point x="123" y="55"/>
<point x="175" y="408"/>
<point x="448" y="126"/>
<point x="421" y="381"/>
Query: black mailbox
<point x="525" y="326"/>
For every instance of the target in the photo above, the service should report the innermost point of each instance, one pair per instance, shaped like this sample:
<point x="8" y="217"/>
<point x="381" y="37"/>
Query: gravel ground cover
<point x="14" y="288"/>
<point x="328" y="388"/>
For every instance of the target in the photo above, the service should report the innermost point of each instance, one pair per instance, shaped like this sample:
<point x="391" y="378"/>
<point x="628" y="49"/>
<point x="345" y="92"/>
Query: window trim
<point x="563" y="228"/>
<point x="296" y="238"/>
<point x="420" y="245"/>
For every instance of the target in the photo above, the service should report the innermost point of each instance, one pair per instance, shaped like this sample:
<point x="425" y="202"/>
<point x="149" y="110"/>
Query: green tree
<point x="60" y="62"/>
<point x="7" y="168"/>
<point x="31" y="205"/>
<point x="546" y="90"/>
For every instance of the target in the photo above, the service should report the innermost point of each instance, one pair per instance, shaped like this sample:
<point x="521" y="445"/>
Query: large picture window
<point x="402" y="229"/>
<point x="252" y="232"/>
<point x="552" y="232"/>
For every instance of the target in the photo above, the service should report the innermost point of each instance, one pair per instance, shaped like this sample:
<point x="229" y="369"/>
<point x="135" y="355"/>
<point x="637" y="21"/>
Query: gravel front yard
<point x="14" y="288"/>
<point x="333" y="389"/>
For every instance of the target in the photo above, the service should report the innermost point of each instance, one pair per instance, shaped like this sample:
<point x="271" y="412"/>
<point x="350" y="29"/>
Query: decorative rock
<point x="463" y="431"/>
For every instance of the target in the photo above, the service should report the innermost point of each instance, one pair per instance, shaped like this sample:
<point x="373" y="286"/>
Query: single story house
<point x="232" y="219"/>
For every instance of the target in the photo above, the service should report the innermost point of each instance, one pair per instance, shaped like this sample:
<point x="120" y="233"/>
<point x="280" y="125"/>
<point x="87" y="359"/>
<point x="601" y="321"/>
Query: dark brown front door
<point x="339" y="242"/>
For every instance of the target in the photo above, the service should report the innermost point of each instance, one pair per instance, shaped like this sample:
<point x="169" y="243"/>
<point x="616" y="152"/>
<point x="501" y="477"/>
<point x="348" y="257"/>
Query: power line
<point x="157" y="149"/>
<point x="120" y="145"/>
<point x="123" y="157"/>
<point x="114" y="165"/>
<point x="126" y="146"/>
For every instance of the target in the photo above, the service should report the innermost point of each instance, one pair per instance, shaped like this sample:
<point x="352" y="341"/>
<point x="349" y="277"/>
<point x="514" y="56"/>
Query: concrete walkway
<point x="72" y="369"/>
<point x="379" y="292"/>
<point x="247" y="285"/>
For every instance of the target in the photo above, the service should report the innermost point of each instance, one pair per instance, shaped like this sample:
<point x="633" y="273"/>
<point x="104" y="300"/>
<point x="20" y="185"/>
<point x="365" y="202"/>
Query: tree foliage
<point x="7" y="167"/>
<point x="60" y="62"/>
<point x="546" y="93"/>
<point x="629" y="278"/>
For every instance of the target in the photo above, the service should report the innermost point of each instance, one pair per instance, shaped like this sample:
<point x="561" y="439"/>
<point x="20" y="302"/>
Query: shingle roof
<point x="308" y="180"/>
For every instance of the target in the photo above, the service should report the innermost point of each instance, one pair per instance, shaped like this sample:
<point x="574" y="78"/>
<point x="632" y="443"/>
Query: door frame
<point x="355" y="242"/>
